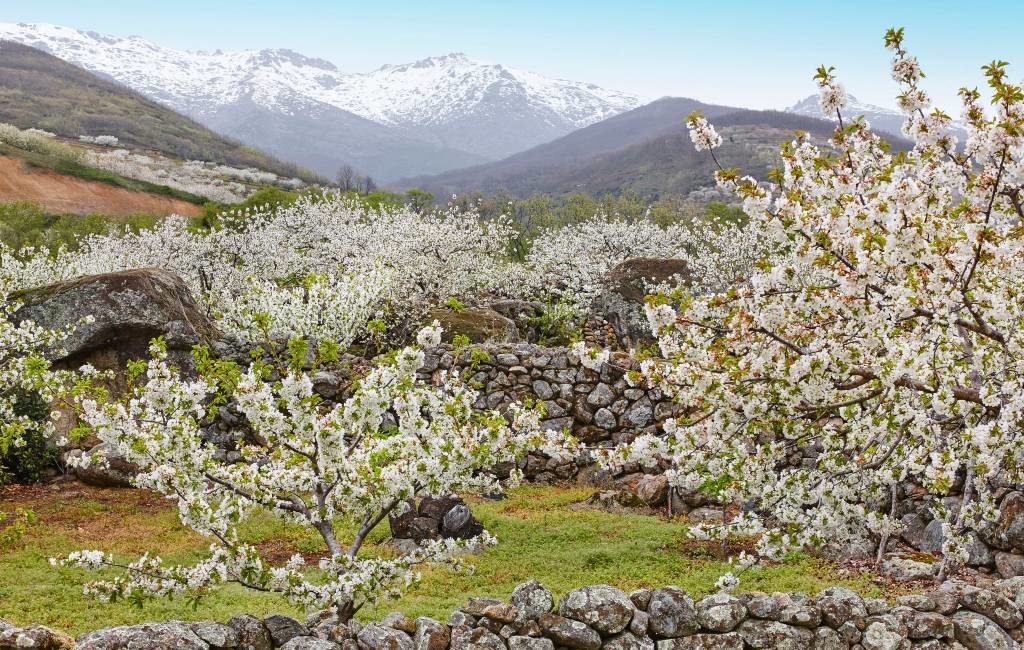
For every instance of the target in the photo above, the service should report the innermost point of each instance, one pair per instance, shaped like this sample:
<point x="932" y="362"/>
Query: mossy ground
<point x="543" y="533"/>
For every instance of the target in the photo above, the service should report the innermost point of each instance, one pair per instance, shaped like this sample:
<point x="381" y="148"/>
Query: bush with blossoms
<point x="25" y="372"/>
<point x="352" y="464"/>
<point x="881" y="345"/>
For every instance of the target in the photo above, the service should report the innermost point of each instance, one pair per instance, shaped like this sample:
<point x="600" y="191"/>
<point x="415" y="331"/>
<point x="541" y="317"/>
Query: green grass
<point x="540" y="536"/>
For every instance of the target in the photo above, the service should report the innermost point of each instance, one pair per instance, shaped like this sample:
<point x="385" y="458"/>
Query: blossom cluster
<point x="881" y="344"/>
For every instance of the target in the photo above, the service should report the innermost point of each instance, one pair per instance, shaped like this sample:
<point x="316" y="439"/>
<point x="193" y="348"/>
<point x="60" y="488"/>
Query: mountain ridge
<point x="451" y="110"/>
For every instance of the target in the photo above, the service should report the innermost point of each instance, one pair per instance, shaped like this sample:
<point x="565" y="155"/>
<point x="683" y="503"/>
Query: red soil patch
<point x="59" y="194"/>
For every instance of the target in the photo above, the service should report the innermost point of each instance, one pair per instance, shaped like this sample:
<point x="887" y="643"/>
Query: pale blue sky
<point x="758" y="54"/>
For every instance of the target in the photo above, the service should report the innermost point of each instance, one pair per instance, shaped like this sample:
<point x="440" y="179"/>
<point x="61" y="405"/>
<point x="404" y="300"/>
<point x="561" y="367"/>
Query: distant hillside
<point x="41" y="91"/>
<point x="646" y="150"/>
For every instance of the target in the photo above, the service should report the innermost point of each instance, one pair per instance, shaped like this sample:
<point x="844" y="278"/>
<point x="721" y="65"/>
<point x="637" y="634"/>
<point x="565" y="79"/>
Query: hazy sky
<point x="757" y="54"/>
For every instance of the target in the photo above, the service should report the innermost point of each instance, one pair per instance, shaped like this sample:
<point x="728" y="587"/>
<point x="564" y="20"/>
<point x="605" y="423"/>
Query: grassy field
<point x="544" y="533"/>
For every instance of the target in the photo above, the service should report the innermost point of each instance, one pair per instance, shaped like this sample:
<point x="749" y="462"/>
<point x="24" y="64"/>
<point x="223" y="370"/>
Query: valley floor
<point x="547" y="533"/>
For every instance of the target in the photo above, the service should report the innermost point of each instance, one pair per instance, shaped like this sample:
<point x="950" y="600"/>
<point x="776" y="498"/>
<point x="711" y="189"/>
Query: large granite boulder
<point x="479" y="324"/>
<point x="621" y="303"/>
<point x="128" y="310"/>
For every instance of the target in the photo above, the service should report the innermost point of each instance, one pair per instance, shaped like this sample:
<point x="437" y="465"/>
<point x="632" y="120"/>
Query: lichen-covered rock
<point x="128" y="310"/>
<point x="33" y="637"/>
<point x="217" y="635"/>
<point x="1009" y="565"/>
<point x="569" y="633"/>
<point x="478" y="324"/>
<point x="621" y="303"/>
<point x="727" y="641"/>
<point x="172" y="635"/>
<point x="804" y="615"/>
<point x="479" y="638"/>
<point x="283" y="628"/>
<point x="604" y="608"/>
<point x="431" y="634"/>
<point x="720" y="612"/>
<point x="672" y="614"/>
<point x="530" y="643"/>
<point x="825" y="638"/>
<point x="992" y="605"/>
<point x="839" y="604"/>
<point x="977" y="632"/>
<point x="310" y="643"/>
<point x="252" y="633"/>
<point x="929" y="625"/>
<point x="381" y="637"/>
<point x="1007" y="532"/>
<point x="761" y="634"/>
<point x="628" y="641"/>
<point x="532" y="599"/>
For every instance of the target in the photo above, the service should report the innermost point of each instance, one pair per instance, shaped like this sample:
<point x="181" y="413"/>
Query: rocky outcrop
<point x="127" y="309"/>
<point x="953" y="616"/>
<point x="114" y="317"/>
<point x="478" y="324"/>
<point x="620" y="304"/>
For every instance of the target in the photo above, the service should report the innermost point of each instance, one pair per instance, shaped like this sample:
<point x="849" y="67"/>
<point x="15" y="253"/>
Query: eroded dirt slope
<point x="59" y="194"/>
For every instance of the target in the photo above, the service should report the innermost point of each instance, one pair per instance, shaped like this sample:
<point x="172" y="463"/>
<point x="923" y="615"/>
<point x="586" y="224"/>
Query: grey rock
<point x="252" y="633"/>
<point x="727" y="641"/>
<point x="641" y="620"/>
<point x="602" y="395"/>
<point x="399" y="621"/>
<point x="478" y="638"/>
<point x="1009" y="564"/>
<point x="529" y="643"/>
<point x="758" y="634"/>
<point x="627" y="641"/>
<point x="431" y="634"/>
<point x="802" y="615"/>
<point x="460" y="523"/>
<point x="380" y="637"/>
<point x="672" y="614"/>
<point x="1007" y="532"/>
<point x="172" y="635"/>
<point x="992" y="605"/>
<point x="532" y="599"/>
<point x="310" y="643"/>
<point x="605" y="419"/>
<point x="976" y="632"/>
<point x="569" y="633"/>
<point x="929" y="625"/>
<point x="825" y="638"/>
<point x="217" y="635"/>
<point x="720" y="612"/>
<point x="640" y="414"/>
<point x="604" y="608"/>
<point x="283" y="628"/>
<point x="839" y="604"/>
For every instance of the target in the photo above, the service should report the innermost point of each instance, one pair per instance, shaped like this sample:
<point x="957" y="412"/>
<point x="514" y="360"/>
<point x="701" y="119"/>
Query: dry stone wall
<point x="954" y="616"/>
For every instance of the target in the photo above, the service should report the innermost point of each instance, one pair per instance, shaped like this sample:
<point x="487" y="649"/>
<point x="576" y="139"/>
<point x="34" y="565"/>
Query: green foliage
<point x="25" y="224"/>
<point x="478" y="357"/>
<point x="28" y="462"/>
<point x="14" y="526"/>
<point x="455" y="305"/>
<point x="558" y="324"/>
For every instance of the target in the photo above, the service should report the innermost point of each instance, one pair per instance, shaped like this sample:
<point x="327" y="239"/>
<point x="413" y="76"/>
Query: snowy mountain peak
<point x="809" y="106"/>
<point x="440" y="90"/>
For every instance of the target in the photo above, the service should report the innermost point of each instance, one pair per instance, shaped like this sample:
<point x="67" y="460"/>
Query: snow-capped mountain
<point x="453" y="109"/>
<point x="881" y="118"/>
<point x="885" y="119"/>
